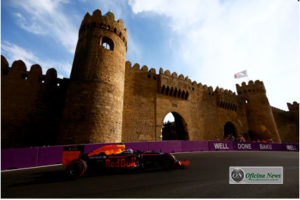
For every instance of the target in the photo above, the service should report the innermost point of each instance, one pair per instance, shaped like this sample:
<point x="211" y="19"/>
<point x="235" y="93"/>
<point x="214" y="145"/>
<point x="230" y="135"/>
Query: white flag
<point x="241" y="74"/>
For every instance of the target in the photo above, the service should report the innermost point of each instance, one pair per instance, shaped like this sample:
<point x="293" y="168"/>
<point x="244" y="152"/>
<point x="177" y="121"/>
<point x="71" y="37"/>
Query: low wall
<point x="40" y="156"/>
<point x="190" y="146"/>
<point x="19" y="158"/>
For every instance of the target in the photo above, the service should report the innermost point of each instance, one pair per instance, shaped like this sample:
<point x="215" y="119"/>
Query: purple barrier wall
<point x="50" y="155"/>
<point x="276" y="147"/>
<point x="188" y="146"/>
<point x="19" y="158"/>
<point x="138" y="146"/>
<point x="165" y="146"/>
<point x="220" y="146"/>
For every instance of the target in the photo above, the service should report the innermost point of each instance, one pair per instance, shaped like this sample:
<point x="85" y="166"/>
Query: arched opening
<point x="186" y="95"/>
<point x="175" y="92"/>
<point x="183" y="94"/>
<point x="229" y="130"/>
<point x="163" y="89"/>
<point x="174" y="127"/>
<point x="107" y="43"/>
<point x="171" y="92"/>
<point x="179" y="93"/>
<point x="167" y="91"/>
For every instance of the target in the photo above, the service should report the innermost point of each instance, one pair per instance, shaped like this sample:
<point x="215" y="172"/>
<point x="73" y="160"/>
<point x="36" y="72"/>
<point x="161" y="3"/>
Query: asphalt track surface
<point x="206" y="177"/>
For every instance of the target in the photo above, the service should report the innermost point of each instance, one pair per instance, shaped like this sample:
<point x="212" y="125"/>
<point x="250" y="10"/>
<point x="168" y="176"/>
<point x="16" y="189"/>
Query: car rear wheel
<point x="76" y="168"/>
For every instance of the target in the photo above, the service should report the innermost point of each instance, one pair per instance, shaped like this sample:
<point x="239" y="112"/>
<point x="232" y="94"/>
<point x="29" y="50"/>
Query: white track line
<point x="11" y="170"/>
<point x="228" y="151"/>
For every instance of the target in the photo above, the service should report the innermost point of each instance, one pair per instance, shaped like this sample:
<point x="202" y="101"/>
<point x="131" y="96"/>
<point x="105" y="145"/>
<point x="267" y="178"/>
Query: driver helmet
<point x="130" y="150"/>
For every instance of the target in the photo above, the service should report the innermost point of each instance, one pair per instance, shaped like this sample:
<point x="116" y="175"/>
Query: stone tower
<point x="94" y="101"/>
<point x="260" y="118"/>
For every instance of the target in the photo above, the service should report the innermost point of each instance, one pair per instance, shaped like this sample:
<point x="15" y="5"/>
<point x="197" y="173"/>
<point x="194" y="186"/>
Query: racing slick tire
<point x="168" y="161"/>
<point x="76" y="168"/>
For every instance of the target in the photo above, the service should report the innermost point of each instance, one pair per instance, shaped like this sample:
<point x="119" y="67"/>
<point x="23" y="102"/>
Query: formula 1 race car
<point x="115" y="157"/>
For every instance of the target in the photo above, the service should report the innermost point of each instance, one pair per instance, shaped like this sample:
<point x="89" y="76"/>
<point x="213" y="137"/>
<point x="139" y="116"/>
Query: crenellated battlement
<point x="136" y="67"/>
<point x="226" y="99"/>
<point x="106" y="22"/>
<point x="274" y="109"/>
<point x="174" y="76"/>
<point x="172" y="81"/>
<point x="192" y="86"/>
<point x="18" y="71"/>
<point x="251" y="87"/>
<point x="293" y="107"/>
<point x="225" y="92"/>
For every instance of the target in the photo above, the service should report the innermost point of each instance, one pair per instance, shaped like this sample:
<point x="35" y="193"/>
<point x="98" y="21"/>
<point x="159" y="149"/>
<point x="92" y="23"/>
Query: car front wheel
<point x="168" y="161"/>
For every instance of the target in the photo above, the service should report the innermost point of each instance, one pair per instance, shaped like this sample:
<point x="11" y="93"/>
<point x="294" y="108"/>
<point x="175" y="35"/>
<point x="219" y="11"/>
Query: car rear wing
<point x="71" y="153"/>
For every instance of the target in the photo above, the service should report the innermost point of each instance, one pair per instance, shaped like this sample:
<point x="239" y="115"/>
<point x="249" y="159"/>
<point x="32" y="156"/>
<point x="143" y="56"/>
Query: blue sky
<point x="207" y="40"/>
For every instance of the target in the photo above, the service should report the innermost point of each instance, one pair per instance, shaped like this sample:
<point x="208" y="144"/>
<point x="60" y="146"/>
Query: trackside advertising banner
<point x="248" y="146"/>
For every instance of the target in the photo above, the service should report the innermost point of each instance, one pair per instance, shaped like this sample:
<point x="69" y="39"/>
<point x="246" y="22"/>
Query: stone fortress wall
<point x="109" y="100"/>
<point x="287" y="122"/>
<point x="31" y="105"/>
